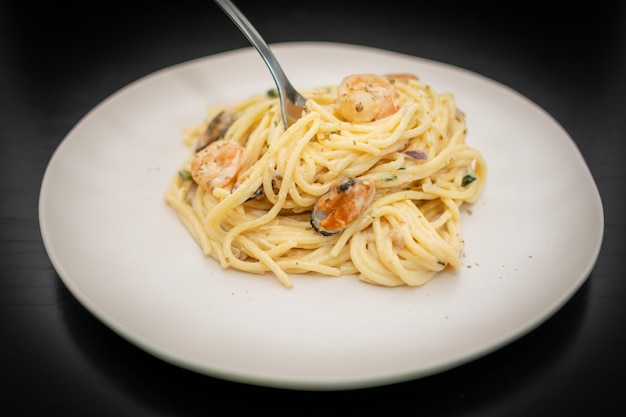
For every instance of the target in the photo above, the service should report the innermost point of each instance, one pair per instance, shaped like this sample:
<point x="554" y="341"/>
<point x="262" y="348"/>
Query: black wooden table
<point x="58" y="60"/>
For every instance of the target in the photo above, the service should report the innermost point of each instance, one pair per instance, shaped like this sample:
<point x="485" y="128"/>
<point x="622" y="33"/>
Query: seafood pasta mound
<point x="368" y="182"/>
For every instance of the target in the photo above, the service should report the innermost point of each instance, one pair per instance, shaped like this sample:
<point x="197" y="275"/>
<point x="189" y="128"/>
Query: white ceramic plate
<point x="531" y="241"/>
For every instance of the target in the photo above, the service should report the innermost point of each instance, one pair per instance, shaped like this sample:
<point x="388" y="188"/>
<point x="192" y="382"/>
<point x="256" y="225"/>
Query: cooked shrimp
<point x="342" y="204"/>
<point x="401" y="76"/>
<point x="217" y="164"/>
<point x="363" y="98"/>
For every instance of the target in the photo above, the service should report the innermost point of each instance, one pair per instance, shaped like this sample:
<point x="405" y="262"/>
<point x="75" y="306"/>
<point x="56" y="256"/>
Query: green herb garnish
<point x="184" y="174"/>
<point x="468" y="179"/>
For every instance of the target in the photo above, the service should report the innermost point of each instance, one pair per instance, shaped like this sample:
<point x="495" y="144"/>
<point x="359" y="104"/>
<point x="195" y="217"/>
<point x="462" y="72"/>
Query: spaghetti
<point x="368" y="182"/>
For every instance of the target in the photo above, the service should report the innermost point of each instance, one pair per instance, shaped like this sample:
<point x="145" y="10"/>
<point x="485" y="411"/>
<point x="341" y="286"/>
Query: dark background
<point x="60" y="59"/>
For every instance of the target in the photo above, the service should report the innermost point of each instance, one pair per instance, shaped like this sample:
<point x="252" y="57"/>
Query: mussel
<point x="344" y="202"/>
<point x="216" y="129"/>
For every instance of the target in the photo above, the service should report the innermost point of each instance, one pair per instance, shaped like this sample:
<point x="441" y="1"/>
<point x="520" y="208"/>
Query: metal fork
<point x="292" y="103"/>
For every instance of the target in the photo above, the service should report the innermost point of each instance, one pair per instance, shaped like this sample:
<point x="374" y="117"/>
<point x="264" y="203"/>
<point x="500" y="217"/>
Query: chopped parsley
<point x="184" y="174"/>
<point x="468" y="179"/>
